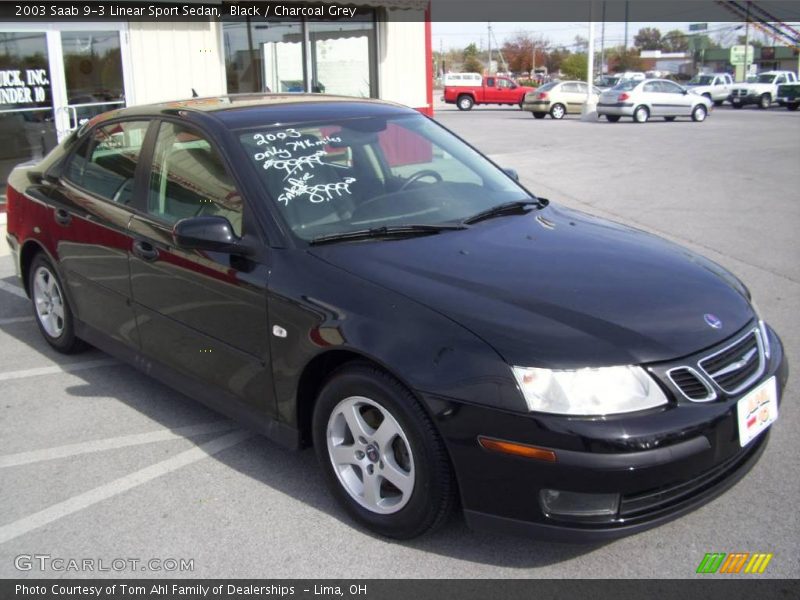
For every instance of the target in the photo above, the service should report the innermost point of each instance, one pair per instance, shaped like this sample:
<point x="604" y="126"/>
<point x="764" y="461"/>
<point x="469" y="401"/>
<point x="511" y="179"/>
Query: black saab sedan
<point x="348" y="274"/>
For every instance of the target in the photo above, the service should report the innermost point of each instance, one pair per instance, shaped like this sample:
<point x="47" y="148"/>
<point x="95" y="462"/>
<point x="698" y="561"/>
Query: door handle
<point x="145" y="250"/>
<point x="62" y="217"/>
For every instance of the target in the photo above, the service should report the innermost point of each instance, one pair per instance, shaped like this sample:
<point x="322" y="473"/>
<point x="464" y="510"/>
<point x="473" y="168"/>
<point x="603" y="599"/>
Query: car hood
<point x="559" y="288"/>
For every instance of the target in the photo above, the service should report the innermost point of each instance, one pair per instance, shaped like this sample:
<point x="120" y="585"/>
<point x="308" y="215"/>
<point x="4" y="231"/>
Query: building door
<point x="53" y="78"/>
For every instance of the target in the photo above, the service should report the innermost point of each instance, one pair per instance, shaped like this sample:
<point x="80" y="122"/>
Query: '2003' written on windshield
<point x="298" y="157"/>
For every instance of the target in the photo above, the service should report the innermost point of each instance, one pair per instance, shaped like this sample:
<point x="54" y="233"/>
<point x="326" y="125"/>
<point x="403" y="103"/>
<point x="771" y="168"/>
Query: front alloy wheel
<point x="381" y="455"/>
<point x="371" y="455"/>
<point x="765" y="101"/>
<point x="558" y="111"/>
<point x="699" y="113"/>
<point x="641" y="114"/>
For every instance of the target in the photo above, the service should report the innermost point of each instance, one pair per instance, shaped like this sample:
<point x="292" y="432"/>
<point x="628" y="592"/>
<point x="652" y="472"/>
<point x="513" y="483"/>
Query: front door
<point x="202" y="314"/>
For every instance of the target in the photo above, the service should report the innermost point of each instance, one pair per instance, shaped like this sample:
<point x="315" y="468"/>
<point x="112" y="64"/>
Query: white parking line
<point x="13" y="289"/>
<point x="13" y="320"/>
<point x="123" y="441"/>
<point x="109" y="490"/>
<point x="68" y="368"/>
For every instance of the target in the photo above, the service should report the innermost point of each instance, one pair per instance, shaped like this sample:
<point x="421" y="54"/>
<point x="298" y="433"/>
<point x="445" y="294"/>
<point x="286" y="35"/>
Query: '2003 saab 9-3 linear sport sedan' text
<point x="371" y="285"/>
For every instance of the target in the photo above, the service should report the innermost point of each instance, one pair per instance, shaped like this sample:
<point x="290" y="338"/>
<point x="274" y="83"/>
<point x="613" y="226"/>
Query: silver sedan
<point x="642" y="100"/>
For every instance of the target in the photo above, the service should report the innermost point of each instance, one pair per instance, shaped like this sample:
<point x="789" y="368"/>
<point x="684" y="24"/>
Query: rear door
<point x="201" y="314"/>
<point x="651" y="95"/>
<point x="93" y="210"/>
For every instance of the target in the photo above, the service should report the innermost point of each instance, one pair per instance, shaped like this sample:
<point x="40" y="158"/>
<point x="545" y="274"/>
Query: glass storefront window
<point x="334" y="57"/>
<point x="93" y="71"/>
<point x="27" y="127"/>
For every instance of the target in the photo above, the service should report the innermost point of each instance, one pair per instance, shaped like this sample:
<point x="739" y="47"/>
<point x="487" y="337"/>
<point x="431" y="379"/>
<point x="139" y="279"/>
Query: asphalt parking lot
<point x="97" y="461"/>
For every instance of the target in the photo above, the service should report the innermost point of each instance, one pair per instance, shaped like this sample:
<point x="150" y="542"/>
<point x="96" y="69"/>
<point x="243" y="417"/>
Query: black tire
<point x="465" y="102"/>
<point x="65" y="341"/>
<point x="539" y="115"/>
<point x="558" y="111"/>
<point x="434" y="487"/>
<point x="669" y="118"/>
<point x="792" y="106"/>
<point x="765" y="101"/>
<point x="699" y="113"/>
<point x="641" y="114"/>
<point x="737" y="105"/>
<point x="612" y="118"/>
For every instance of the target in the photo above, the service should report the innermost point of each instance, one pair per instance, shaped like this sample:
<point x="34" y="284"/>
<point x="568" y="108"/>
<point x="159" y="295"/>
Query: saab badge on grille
<point x="712" y="321"/>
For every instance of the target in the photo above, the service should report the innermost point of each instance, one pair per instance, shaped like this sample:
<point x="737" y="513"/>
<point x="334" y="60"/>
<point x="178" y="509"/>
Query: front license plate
<point x="757" y="411"/>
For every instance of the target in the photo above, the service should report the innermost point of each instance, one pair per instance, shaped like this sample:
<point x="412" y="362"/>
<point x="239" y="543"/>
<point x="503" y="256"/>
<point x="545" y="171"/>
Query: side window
<point x="188" y="179"/>
<point x="568" y="88"/>
<point x="105" y="163"/>
<point x="670" y="88"/>
<point x="504" y="84"/>
<point x="582" y="88"/>
<point x="780" y="79"/>
<point x="652" y="87"/>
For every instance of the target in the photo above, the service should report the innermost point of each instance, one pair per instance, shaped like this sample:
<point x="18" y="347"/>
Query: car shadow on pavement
<point x="295" y="474"/>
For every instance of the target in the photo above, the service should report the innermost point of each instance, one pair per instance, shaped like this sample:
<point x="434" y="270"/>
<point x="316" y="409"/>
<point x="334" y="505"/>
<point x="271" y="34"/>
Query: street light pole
<point x="589" y="112"/>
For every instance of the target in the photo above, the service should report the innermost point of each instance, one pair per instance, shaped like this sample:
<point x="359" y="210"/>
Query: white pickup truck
<point x="714" y="86"/>
<point x="763" y="91"/>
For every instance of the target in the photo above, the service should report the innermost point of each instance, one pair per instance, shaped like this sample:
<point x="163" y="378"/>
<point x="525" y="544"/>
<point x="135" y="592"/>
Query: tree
<point x="621" y="59"/>
<point x="755" y="43"/>
<point x="554" y="59"/>
<point x="471" y="63"/>
<point x="675" y="41"/>
<point x="648" y="38"/>
<point x="575" y="66"/>
<point x="518" y="52"/>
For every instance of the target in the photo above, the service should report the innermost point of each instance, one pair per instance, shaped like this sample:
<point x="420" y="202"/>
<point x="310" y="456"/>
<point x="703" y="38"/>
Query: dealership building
<point x="54" y="76"/>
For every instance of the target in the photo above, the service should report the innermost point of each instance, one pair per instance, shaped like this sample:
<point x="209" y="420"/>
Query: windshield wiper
<point x="385" y="231"/>
<point x="502" y="209"/>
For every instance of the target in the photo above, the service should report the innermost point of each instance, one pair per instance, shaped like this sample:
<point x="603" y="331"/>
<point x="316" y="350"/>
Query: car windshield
<point x="342" y="176"/>
<point x="766" y="78"/>
<point x="702" y="80"/>
<point x="626" y="86"/>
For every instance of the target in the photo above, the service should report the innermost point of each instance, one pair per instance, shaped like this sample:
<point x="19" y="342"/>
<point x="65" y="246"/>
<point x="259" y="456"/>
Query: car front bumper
<point x="661" y="463"/>
<point x="743" y="100"/>
<point x="620" y="109"/>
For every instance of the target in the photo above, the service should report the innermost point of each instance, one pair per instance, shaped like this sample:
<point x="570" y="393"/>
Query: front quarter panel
<point x="322" y="308"/>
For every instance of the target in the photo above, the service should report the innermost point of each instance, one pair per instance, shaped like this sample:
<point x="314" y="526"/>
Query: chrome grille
<point x="737" y="365"/>
<point x="691" y="384"/>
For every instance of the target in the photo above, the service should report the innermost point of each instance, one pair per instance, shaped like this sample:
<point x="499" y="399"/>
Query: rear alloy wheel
<point x="558" y="111"/>
<point x="539" y="115"/>
<point x="765" y="101"/>
<point x="465" y="103"/>
<point x="381" y="454"/>
<point x="641" y="114"/>
<point x="612" y="118"/>
<point x="699" y="113"/>
<point x="51" y="308"/>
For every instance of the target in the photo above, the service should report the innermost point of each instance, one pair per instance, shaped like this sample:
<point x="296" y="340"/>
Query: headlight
<point x="603" y="391"/>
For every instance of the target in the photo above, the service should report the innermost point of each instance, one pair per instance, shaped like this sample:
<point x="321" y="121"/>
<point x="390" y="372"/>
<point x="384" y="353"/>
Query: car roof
<point x="249" y="110"/>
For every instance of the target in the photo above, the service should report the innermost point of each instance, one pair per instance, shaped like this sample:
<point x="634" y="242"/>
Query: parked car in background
<point x="714" y="86"/>
<point x="346" y="273"/>
<point x="642" y="100"/>
<point x="490" y="90"/>
<point x="763" y="91"/>
<point x="606" y="82"/>
<point x="789" y="95"/>
<point x="557" y="98"/>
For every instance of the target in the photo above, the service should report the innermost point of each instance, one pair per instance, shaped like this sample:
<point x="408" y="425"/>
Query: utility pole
<point x="746" y="42"/>
<point x="489" y="68"/>
<point x="589" y="112"/>
<point x="626" y="25"/>
<point x="603" y="42"/>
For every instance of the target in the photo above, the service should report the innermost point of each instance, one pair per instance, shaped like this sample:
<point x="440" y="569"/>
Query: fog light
<point x="557" y="503"/>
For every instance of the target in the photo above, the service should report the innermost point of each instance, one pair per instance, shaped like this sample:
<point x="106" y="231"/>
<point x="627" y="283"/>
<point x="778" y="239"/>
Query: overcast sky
<point x="458" y="35"/>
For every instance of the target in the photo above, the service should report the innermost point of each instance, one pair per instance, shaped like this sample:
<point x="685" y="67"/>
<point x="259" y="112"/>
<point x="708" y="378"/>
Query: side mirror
<point x="514" y="86"/>
<point x="211" y="233"/>
<point x="512" y="173"/>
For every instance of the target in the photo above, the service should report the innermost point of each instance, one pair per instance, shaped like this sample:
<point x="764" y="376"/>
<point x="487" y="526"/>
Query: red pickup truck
<point x="494" y="90"/>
